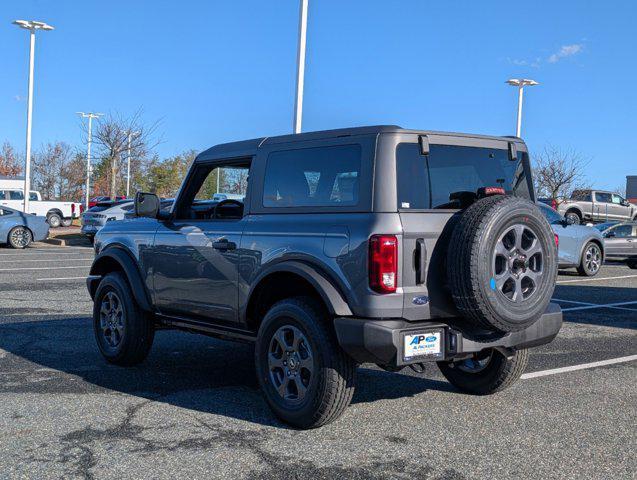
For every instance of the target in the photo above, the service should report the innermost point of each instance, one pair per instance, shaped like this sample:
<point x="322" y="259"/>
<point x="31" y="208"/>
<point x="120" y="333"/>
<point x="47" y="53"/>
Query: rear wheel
<point x="307" y="379"/>
<point x="67" y="222"/>
<point x="124" y="333"/>
<point x="54" y="220"/>
<point x="487" y="372"/>
<point x="591" y="261"/>
<point x="20" y="237"/>
<point x="573" y="218"/>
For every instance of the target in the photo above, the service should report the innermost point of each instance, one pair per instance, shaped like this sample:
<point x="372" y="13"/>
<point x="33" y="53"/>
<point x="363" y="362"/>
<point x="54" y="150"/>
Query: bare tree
<point x="111" y="140"/>
<point x="559" y="172"/>
<point x="10" y="164"/>
<point x="49" y="163"/>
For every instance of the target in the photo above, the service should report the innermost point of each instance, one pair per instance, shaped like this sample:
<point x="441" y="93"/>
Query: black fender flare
<point x="103" y="263"/>
<point x="334" y="301"/>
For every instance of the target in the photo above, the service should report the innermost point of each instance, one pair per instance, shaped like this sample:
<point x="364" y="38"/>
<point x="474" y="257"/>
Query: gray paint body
<point x="37" y="224"/>
<point x="185" y="276"/>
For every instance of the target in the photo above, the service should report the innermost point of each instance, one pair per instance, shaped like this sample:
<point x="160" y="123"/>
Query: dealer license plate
<point x="422" y="344"/>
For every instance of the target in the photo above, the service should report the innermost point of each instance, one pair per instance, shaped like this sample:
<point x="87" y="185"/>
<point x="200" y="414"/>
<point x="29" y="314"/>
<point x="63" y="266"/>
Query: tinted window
<point x="551" y="215"/>
<point x="603" y="197"/>
<point x="454" y="169"/>
<point x="15" y="195"/>
<point x="318" y="177"/>
<point x="581" y="196"/>
<point x="623" y="231"/>
<point x="412" y="177"/>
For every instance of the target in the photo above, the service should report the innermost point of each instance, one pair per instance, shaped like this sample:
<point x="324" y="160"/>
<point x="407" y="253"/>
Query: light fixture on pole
<point x="520" y="83"/>
<point x="32" y="26"/>
<point x="300" y="67"/>
<point x="90" y="116"/>
<point x="130" y="136"/>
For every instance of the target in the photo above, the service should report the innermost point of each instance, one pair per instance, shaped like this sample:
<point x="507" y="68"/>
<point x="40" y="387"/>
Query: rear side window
<point x="313" y="177"/>
<point x="429" y="181"/>
<point x="15" y="195"/>
<point x="603" y="197"/>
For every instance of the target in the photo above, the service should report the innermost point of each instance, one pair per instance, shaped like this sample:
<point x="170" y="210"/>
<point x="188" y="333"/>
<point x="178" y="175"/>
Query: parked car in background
<point x="620" y="240"/>
<point x="551" y="202"/>
<point x="597" y="206"/>
<point x="95" y="200"/>
<point x="218" y="197"/>
<point x="19" y="229"/>
<point x="579" y="246"/>
<point x="96" y="217"/>
<point x="57" y="213"/>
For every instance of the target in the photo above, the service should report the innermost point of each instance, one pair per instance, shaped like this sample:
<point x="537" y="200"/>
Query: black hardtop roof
<point x="243" y="147"/>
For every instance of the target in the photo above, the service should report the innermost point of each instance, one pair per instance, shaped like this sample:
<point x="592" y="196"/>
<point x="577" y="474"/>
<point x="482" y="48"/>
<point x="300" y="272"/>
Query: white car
<point x="56" y="213"/>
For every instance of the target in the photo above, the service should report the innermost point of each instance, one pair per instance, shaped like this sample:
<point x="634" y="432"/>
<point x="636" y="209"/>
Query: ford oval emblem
<point x="431" y="338"/>
<point x="422" y="300"/>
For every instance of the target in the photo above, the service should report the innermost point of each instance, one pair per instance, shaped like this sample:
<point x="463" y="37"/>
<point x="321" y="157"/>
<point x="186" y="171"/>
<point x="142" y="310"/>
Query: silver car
<point x="96" y="217"/>
<point x="579" y="246"/>
<point x="19" y="229"/>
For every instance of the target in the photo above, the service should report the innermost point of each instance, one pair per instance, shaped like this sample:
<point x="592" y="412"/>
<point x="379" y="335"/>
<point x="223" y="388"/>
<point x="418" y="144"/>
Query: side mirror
<point x="146" y="205"/>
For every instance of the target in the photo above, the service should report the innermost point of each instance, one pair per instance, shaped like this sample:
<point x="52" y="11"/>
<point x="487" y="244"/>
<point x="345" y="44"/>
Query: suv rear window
<point x="428" y="181"/>
<point x="313" y="177"/>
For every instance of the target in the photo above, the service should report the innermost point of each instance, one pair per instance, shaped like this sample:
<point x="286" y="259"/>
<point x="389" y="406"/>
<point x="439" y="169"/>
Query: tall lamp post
<point x="128" y="156"/>
<point x="520" y="83"/>
<point x="32" y="26"/>
<point x="90" y="116"/>
<point x="300" y="67"/>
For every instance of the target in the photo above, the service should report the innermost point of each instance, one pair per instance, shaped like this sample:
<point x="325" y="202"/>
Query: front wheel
<point x="591" y="260"/>
<point x="487" y="372"/>
<point x="307" y="379"/>
<point x="20" y="237"/>
<point x="124" y="333"/>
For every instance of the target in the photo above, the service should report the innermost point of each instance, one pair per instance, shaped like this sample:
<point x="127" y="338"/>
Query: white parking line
<point x="86" y="259"/>
<point x="596" y="279"/>
<point x="571" y="301"/>
<point x="17" y="270"/>
<point x="583" y="366"/>
<point x="41" y="254"/>
<point x="60" y="278"/>
<point x="599" y="305"/>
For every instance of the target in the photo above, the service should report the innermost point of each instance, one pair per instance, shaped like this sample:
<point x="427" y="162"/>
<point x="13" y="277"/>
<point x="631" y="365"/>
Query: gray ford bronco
<point x="361" y="245"/>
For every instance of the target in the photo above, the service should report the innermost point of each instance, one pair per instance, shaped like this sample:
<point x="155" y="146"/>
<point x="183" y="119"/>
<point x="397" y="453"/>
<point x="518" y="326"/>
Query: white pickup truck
<point x="56" y="213"/>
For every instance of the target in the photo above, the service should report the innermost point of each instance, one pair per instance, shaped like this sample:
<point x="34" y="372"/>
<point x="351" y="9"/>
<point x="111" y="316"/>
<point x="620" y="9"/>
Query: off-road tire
<point x="331" y="384"/>
<point x="54" y="220"/>
<point x="499" y="373"/>
<point x="24" y="240"/>
<point x="583" y="269"/>
<point x="472" y="264"/>
<point x="138" y="332"/>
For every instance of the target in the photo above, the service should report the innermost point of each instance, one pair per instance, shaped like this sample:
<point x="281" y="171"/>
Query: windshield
<point x="428" y="181"/>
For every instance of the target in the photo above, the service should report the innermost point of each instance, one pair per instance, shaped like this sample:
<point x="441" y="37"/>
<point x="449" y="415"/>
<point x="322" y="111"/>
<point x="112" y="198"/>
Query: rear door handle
<point x="420" y="260"/>
<point x="224" y="244"/>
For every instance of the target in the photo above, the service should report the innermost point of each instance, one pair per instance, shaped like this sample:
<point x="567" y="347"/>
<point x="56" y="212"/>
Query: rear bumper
<point x="380" y="341"/>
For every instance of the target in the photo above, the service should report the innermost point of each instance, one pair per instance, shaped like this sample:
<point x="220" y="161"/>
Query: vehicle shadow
<point x="185" y="370"/>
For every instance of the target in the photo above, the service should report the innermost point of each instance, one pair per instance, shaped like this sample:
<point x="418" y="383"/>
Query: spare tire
<point x="502" y="263"/>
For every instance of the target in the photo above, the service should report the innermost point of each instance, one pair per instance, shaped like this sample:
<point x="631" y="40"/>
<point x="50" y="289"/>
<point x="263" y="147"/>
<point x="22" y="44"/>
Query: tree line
<point x="59" y="170"/>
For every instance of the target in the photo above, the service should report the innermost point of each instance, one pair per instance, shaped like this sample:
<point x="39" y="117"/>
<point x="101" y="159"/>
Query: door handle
<point x="224" y="244"/>
<point x="420" y="260"/>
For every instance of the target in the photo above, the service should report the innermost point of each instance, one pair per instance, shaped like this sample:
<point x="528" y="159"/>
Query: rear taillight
<point x="557" y="240"/>
<point x="383" y="263"/>
<point x="72" y="209"/>
<point x="81" y="208"/>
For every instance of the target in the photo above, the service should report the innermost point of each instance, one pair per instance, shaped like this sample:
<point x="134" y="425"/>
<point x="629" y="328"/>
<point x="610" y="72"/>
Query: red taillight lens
<point x="383" y="263"/>
<point x="81" y="208"/>
<point x="557" y="240"/>
<point x="72" y="209"/>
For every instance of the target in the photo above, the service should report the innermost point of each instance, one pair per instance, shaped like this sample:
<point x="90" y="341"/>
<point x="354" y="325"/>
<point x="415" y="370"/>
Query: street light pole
<point x="130" y="134"/>
<point x="520" y="83"/>
<point x="32" y="26"/>
<point x="90" y="116"/>
<point x="300" y="67"/>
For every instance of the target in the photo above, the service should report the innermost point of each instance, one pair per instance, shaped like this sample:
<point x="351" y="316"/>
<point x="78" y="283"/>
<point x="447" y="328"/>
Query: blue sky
<point x="216" y="71"/>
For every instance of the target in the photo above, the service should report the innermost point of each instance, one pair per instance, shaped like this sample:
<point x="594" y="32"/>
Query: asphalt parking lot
<point x="193" y="408"/>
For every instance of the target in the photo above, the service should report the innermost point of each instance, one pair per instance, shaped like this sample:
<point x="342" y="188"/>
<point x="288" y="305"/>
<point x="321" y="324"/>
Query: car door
<point x="601" y="208"/>
<point x="619" y="209"/>
<point x="619" y="242"/>
<point x="195" y="252"/>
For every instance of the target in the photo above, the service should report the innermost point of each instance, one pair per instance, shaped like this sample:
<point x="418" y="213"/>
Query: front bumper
<point x="90" y="230"/>
<point x="380" y="341"/>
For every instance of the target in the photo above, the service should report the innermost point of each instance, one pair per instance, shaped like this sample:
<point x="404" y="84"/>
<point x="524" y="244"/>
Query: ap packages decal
<point x="420" y="344"/>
